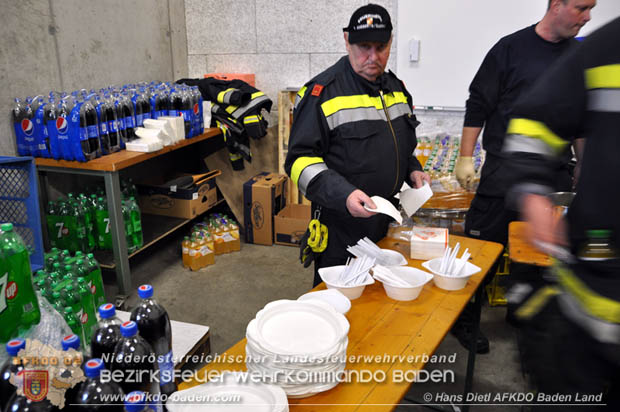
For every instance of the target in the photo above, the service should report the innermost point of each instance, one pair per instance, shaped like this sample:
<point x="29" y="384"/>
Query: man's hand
<point x="537" y="210"/>
<point x="355" y="204"/>
<point x="464" y="171"/>
<point x="418" y="178"/>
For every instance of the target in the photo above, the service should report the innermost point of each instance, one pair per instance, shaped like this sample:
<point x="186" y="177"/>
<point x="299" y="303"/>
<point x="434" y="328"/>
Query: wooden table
<point x="520" y="250"/>
<point x="109" y="167"/>
<point x="381" y="326"/>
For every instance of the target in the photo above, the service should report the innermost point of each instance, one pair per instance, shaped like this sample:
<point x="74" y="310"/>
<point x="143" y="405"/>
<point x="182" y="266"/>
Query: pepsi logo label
<point x="127" y="323"/>
<point x="62" y="125"/>
<point x="14" y="343"/>
<point x="68" y="338"/>
<point x="196" y="108"/>
<point x="27" y="127"/>
<point x="108" y="306"/>
<point x="92" y="363"/>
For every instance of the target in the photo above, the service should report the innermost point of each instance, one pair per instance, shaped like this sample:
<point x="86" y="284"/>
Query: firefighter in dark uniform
<point x="509" y="69"/>
<point x="352" y="137"/>
<point x="579" y="96"/>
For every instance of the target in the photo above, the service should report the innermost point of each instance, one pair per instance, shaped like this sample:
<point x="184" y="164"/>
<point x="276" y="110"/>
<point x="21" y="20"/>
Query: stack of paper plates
<point x="231" y="392"/>
<point x="300" y="346"/>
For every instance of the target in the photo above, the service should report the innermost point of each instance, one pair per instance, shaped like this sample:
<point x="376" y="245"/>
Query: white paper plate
<point x="386" y="207"/>
<point x="252" y="396"/>
<point x="334" y="297"/>
<point x="298" y="327"/>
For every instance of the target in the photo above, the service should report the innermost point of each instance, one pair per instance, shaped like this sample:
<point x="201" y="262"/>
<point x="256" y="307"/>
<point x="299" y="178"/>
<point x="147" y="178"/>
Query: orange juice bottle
<point x="207" y="255"/>
<point x="185" y="250"/>
<point x="191" y="254"/>
<point x="218" y="239"/>
<point x="234" y="243"/>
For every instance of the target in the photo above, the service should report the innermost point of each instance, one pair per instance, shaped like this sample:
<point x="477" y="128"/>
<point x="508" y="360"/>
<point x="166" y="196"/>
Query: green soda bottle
<point x="72" y="300"/>
<point x="8" y="319"/>
<point x="57" y="302"/>
<point x="18" y="298"/>
<point x="128" y="227"/>
<point x="136" y="221"/>
<point x="78" y="213"/>
<point x="89" y="221"/>
<point x="66" y="228"/>
<point x="63" y="254"/>
<point x="43" y="289"/>
<point x="95" y="279"/>
<point x="88" y="316"/>
<point x="52" y="218"/>
<point x="72" y="321"/>
<point x="102" y="222"/>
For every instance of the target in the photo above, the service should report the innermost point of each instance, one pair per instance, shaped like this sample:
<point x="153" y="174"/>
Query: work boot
<point x="463" y="330"/>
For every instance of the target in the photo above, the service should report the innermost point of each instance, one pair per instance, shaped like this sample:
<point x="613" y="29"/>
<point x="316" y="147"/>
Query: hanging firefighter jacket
<point x="236" y="111"/>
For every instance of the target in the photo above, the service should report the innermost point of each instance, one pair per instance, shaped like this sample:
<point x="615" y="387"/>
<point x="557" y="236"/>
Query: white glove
<point x="464" y="171"/>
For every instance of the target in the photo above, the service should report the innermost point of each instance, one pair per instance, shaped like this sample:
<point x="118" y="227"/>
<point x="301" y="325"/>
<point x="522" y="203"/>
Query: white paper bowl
<point x="330" y="275"/>
<point x="415" y="276"/>
<point x="446" y="282"/>
<point x="334" y="297"/>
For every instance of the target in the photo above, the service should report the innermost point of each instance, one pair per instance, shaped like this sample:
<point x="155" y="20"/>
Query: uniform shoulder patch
<point x="317" y="89"/>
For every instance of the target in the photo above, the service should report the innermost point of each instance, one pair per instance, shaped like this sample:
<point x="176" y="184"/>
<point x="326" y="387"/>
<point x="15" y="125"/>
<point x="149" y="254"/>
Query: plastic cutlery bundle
<point x="385" y="275"/>
<point x="450" y="265"/>
<point x="356" y="271"/>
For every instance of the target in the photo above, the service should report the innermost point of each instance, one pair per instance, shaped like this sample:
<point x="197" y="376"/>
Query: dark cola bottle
<point x="97" y="394"/>
<point x="145" y="100"/>
<point x="88" y="119"/>
<point x="154" y="326"/>
<point x="50" y="118"/>
<point x="24" y="127"/>
<point x="134" y="357"/>
<point x="103" y="120"/>
<point x="106" y="334"/>
<point x="19" y="403"/>
<point x="129" y="116"/>
<point x="187" y="112"/>
<point x="162" y="102"/>
<point x="113" y="129"/>
<point x="12" y="366"/>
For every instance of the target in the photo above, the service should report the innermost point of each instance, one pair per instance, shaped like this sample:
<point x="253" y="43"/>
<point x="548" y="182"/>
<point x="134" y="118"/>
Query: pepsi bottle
<point x="138" y="107"/>
<point x="41" y="137"/>
<point x="162" y="102"/>
<point x="22" y="404"/>
<point x="11" y="366"/>
<point x="106" y="334"/>
<point x="93" y="394"/>
<point x="146" y="105"/>
<point x="187" y="112"/>
<point x="136" y="402"/>
<point x="71" y="342"/>
<point x="50" y="117"/>
<point x="24" y="127"/>
<point x="62" y="128"/>
<point x="113" y="129"/>
<point x="154" y="325"/>
<point x="176" y="102"/>
<point x="134" y="357"/>
<point x="88" y="119"/>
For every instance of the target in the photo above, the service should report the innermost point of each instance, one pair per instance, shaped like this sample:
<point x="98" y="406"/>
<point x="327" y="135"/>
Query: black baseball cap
<point x="369" y="23"/>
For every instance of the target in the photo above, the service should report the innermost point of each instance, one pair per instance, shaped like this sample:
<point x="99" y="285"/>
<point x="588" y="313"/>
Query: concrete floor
<point x="227" y="295"/>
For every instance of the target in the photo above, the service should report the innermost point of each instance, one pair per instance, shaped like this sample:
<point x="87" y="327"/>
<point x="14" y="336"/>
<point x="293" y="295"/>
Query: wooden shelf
<point x="154" y="228"/>
<point x="125" y="158"/>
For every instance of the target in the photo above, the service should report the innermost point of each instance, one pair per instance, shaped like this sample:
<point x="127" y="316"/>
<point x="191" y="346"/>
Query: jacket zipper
<point x="394" y="138"/>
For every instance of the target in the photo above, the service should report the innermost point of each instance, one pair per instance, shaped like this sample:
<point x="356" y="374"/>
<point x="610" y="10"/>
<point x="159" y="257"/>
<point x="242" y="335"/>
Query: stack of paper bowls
<point x="230" y="392"/>
<point x="300" y="346"/>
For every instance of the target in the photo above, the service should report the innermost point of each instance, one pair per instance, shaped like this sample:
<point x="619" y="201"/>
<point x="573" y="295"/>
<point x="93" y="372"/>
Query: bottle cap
<point x="93" y="368"/>
<point x="14" y="346"/>
<point x="134" y="402"/>
<point x="129" y="329"/>
<point x="145" y="291"/>
<point x="6" y="227"/>
<point x="107" y="310"/>
<point x="70" y="341"/>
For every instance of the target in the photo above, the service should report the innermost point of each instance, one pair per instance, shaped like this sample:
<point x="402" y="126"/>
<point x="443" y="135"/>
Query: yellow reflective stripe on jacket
<point x="300" y="95"/>
<point x="603" y="77"/>
<point x="221" y="96"/>
<point x="536" y="302"/>
<point x="251" y="119"/>
<point x="536" y="130"/>
<point x="234" y="156"/>
<point x="361" y="100"/>
<point x="594" y="304"/>
<point x="300" y="164"/>
<point x="231" y="108"/>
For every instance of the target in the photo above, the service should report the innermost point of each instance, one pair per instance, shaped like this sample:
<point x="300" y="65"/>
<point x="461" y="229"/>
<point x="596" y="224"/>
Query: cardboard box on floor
<point x="264" y="196"/>
<point x="291" y="224"/>
<point x="158" y="199"/>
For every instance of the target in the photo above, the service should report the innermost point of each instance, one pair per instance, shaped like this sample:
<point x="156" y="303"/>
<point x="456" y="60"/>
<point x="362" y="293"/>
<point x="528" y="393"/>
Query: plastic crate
<point x="19" y="203"/>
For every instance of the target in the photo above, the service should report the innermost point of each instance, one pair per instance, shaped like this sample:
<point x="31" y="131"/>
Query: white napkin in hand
<point x="386" y="207"/>
<point x="413" y="199"/>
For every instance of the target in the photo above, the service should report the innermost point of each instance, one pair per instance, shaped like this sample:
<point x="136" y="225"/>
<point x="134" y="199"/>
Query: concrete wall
<point x="72" y="44"/>
<point x="283" y="42"/>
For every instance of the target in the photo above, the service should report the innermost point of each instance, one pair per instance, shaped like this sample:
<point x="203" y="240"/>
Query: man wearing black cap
<point x="352" y="137"/>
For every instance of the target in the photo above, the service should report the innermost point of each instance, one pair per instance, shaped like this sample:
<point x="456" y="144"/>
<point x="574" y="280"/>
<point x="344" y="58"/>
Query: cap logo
<point x="369" y="21"/>
<point x="14" y="342"/>
<point x="107" y="306"/>
<point x="68" y="337"/>
<point x="127" y="323"/>
<point x="92" y="363"/>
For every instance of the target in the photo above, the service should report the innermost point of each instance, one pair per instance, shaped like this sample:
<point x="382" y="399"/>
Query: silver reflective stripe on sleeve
<point x="227" y="96"/>
<point x="243" y="109"/>
<point x="522" y="143"/>
<point x="309" y="173"/>
<point x="604" y="100"/>
<point x="600" y="330"/>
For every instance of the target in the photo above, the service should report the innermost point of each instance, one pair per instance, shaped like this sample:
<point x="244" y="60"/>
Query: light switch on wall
<point x="414" y="50"/>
